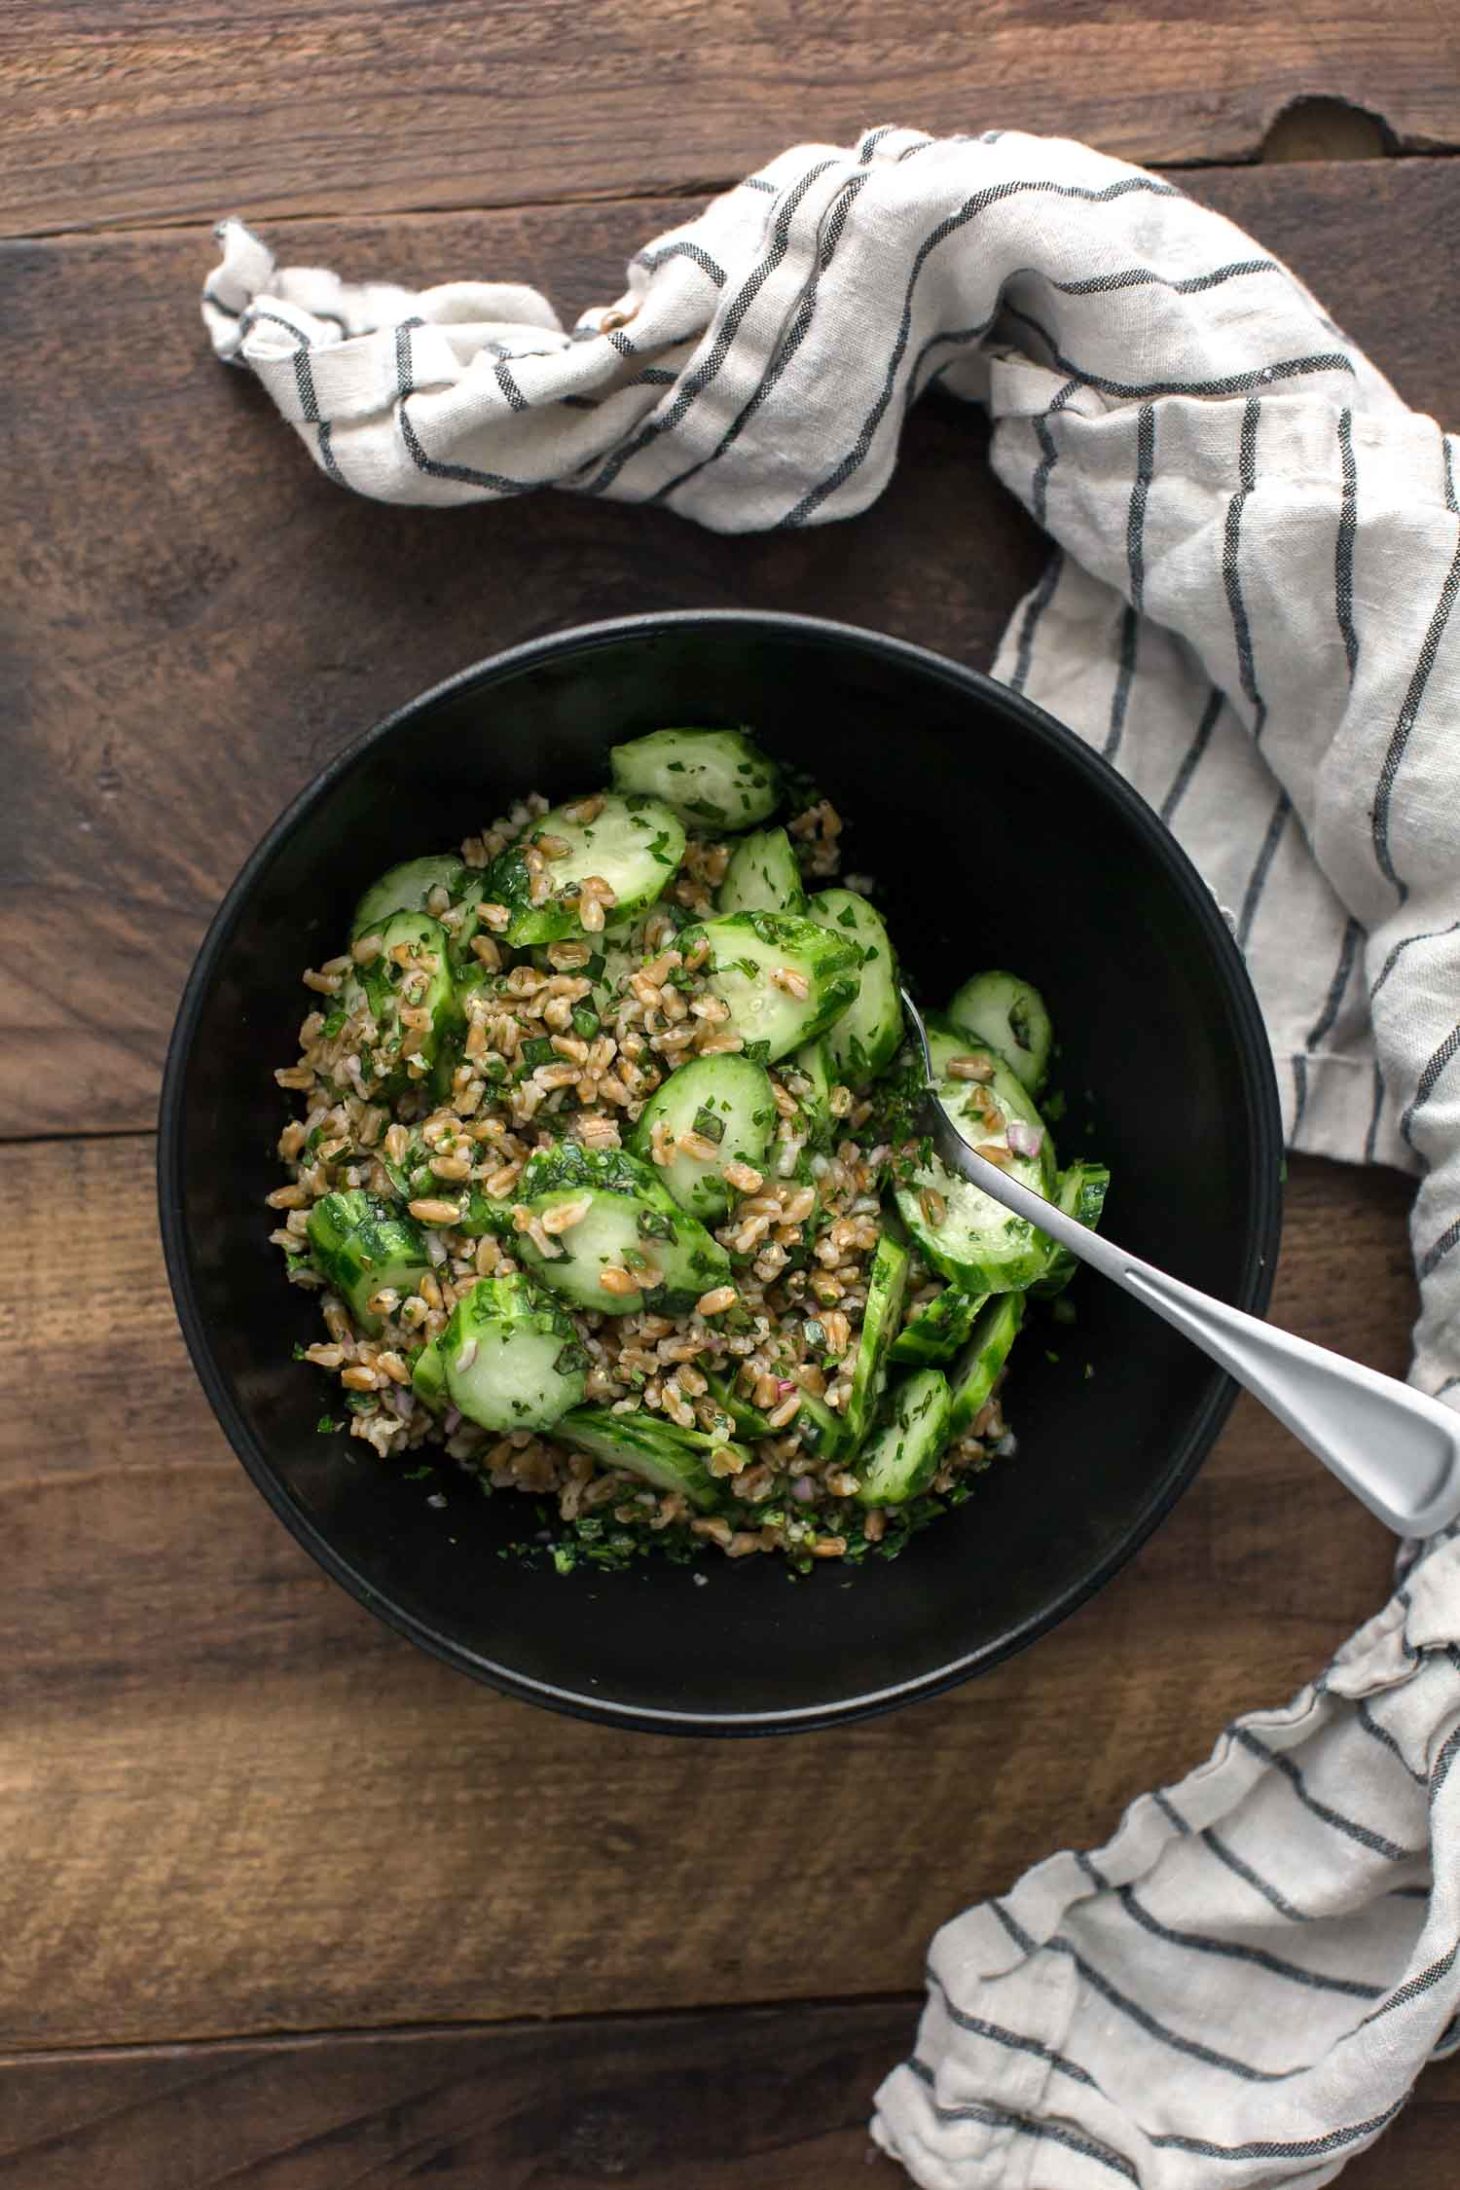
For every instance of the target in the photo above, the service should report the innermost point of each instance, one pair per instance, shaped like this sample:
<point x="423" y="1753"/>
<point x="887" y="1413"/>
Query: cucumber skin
<point x="428" y="1378"/>
<point x="700" y="1190"/>
<point x="886" y="1287"/>
<point x="568" y="1165"/>
<point x="635" y="1442"/>
<point x="356" y="1239"/>
<point x="655" y="764"/>
<point x="869" y="1033"/>
<point x="921" y="1409"/>
<point x="405" y="888"/>
<point x="1081" y="1194"/>
<point x="934" y="1332"/>
<point x="978" y="1371"/>
<point x="814" y="1066"/>
<point x="752" y="883"/>
<point x="835" y="965"/>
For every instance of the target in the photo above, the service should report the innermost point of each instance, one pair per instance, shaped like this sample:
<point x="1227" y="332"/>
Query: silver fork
<point x="1397" y="1450"/>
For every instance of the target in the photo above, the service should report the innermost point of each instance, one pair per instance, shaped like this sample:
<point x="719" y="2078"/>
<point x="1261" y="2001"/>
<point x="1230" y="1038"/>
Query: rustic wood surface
<point x="204" y="618"/>
<point x="281" y="1899"/>
<point x="162" y="110"/>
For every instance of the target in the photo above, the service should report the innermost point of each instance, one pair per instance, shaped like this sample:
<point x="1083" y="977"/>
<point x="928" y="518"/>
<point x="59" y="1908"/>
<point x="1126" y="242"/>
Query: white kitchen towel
<point x="1251" y="614"/>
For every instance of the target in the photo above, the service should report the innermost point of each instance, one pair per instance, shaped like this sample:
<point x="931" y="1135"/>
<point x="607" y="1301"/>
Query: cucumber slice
<point x="978" y="1245"/>
<point x="808" y="1076"/>
<point x="646" y="1445"/>
<point x="763" y="876"/>
<point x="902" y="1457"/>
<point x="406" y="888"/>
<point x="403" y="1054"/>
<point x="718" y="780"/>
<point x="727" y="1102"/>
<point x="513" y="1360"/>
<point x="746" y="952"/>
<point x="886" y="1290"/>
<point x="428" y="1378"/>
<point x="867" y="1036"/>
<point x="631" y="1223"/>
<point x="980" y="1368"/>
<point x="749" y="1422"/>
<point x="935" y="1331"/>
<point x="823" y="1430"/>
<point x="1009" y="1015"/>
<point x="360" y="1244"/>
<point x="1081" y="1194"/>
<point x="632" y="844"/>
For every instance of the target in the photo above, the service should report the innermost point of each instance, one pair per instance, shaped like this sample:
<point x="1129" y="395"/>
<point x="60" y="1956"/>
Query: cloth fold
<point x="1251" y="614"/>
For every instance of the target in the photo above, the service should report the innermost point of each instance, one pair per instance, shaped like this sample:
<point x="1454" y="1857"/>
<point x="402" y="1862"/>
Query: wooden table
<point x="286" y="1903"/>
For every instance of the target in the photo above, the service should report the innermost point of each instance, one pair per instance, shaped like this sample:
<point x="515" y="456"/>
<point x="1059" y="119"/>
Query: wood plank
<point x="765" y="2099"/>
<point x="232" y="1803"/>
<point x="166" y="112"/>
<point x="183" y="667"/>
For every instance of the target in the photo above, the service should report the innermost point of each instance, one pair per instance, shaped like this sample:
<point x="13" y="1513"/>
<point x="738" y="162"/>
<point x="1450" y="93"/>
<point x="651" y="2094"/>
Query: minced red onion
<point x="1025" y="1140"/>
<point x="803" y="1489"/>
<point x="451" y="1421"/>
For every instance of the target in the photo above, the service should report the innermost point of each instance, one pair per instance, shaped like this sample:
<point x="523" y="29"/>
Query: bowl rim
<point x="1264" y="1161"/>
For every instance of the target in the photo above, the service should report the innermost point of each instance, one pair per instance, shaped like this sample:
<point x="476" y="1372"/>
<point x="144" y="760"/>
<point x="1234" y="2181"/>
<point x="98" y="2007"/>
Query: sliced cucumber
<point x="807" y="1075"/>
<point x="513" y="1360"/>
<point x="632" y="844"/>
<point x="646" y="1445"/>
<point x="935" y="1331"/>
<point x="823" y="1430"/>
<point x="1081" y="1194"/>
<point x="886" y="1290"/>
<point x="406" y="888"/>
<point x="748" y="1420"/>
<point x="405" y="1054"/>
<point x="746" y="953"/>
<point x="717" y="780"/>
<point x="867" y="1036"/>
<point x="976" y="1243"/>
<point x="727" y="1103"/>
<point x="361" y="1244"/>
<point x="1009" y="1015"/>
<point x="902" y="1455"/>
<point x="980" y="1368"/>
<point x="763" y="876"/>
<point x="428" y="1378"/>
<point x="630" y="1223"/>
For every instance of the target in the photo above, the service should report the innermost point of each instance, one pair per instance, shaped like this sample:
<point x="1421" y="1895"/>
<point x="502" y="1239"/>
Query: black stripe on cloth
<point x="1348" y="951"/>
<point x="1169" y="1811"/>
<point x="998" y="2034"/>
<point x="759" y="182"/>
<point x="1231" y="572"/>
<point x="517" y="401"/>
<point x="327" y="454"/>
<point x="1431" y="935"/>
<point x="693" y="384"/>
<point x="1344" y="549"/>
<point x="1435" y="1254"/>
<point x="777" y="363"/>
<point x="1000" y="2117"/>
<point x="1448" y="1386"/>
<point x="1252" y="1878"/>
<point x="1257" y="880"/>
<point x="971" y="208"/>
<point x="1135" y="557"/>
<point x="304" y="385"/>
<point x="873" y="138"/>
<point x="1414" y="1988"/>
<point x="1371" y="1138"/>
<point x="494" y="482"/>
<point x="1440" y="1770"/>
<point x="1428" y="1081"/>
<point x="1348" y="1826"/>
<point x="1381" y="1734"/>
<point x="910" y="152"/>
<point x="653" y="376"/>
<point x="1268" y="2148"/>
<point x="1451" y="503"/>
<point x="1039" y="601"/>
<point x="953" y="338"/>
<point x="1092" y="1871"/>
<point x="1191" y="759"/>
<point x="1264" y="376"/>
<point x="1140" y="2016"/>
<point x="1049" y="454"/>
<point x="211" y="296"/>
<point x="1300" y="1091"/>
<point x="1413" y="702"/>
<point x="1130" y="627"/>
<point x="1140" y="277"/>
<point x="1233" y="1950"/>
<point x="651" y="260"/>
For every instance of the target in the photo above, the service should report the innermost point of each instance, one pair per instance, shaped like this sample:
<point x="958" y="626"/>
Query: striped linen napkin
<point x="1250" y="613"/>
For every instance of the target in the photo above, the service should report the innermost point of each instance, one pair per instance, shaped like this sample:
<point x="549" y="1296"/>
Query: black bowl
<point x="996" y="838"/>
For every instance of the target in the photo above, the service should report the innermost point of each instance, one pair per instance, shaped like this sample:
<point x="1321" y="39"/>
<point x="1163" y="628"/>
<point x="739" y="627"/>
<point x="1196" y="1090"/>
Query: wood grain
<point x="156" y="110"/>
<point x="231" y="1802"/>
<point x="203" y="619"/>
<point x="768" y="2099"/>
